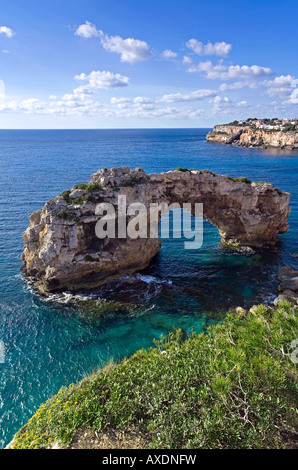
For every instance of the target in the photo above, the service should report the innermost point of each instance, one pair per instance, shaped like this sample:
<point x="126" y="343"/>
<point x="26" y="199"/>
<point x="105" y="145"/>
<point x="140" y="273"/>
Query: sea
<point x="51" y="342"/>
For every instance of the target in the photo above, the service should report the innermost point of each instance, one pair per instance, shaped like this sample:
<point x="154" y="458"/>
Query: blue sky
<point x="119" y="64"/>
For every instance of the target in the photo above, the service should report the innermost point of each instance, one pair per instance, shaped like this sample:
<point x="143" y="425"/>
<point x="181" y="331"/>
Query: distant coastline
<point x="263" y="133"/>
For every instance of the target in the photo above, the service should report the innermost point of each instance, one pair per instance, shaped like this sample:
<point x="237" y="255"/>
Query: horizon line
<point x="102" y="128"/>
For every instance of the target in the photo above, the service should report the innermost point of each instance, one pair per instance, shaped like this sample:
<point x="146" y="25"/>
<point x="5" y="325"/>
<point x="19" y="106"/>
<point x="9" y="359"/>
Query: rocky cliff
<point x="62" y="251"/>
<point x="242" y="136"/>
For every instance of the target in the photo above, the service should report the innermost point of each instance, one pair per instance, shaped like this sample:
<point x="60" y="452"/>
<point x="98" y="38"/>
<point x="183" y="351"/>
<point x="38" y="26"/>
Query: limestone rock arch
<point x="61" y="250"/>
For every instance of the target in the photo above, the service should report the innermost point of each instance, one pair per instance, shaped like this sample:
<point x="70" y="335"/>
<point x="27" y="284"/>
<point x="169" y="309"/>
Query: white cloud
<point x="28" y="106"/>
<point x="7" y="31"/>
<point x="146" y="108"/>
<point x="281" y="86"/>
<point x="218" y="48"/>
<point x="281" y="92"/>
<point x="219" y="100"/>
<point x="192" y="96"/>
<point x="142" y="100"/>
<point x="187" y="60"/>
<point x="242" y="103"/>
<point x="293" y="99"/>
<point x="122" y="103"/>
<point x="95" y="80"/>
<point x="239" y="85"/>
<point x="154" y="112"/>
<point x="104" y="79"/>
<point x="168" y="54"/>
<point x="282" y="81"/>
<point x="120" y="100"/>
<point x="224" y="105"/>
<point x="131" y="50"/>
<point x="230" y="72"/>
<point x="88" y="30"/>
<point x="78" y="103"/>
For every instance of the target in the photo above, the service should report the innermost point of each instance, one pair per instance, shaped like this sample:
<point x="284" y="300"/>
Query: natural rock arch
<point x="62" y="251"/>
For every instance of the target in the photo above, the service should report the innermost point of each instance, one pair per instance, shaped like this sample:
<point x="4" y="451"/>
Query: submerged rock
<point x="62" y="251"/>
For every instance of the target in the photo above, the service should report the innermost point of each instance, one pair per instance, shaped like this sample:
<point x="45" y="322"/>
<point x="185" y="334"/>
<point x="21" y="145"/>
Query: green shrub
<point x="84" y="199"/>
<point x="67" y="216"/>
<point x="289" y="128"/>
<point x="89" y="258"/>
<point x="134" y="180"/>
<point x="65" y="195"/>
<point x="241" y="179"/>
<point x="89" y="186"/>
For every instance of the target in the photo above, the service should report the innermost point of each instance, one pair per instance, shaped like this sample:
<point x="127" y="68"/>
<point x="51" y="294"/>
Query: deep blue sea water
<point x="51" y="343"/>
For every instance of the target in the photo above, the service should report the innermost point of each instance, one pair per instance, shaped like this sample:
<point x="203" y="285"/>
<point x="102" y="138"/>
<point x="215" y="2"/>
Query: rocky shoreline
<point x="248" y="136"/>
<point x="62" y="252"/>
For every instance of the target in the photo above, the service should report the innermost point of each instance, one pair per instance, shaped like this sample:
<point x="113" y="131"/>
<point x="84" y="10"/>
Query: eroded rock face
<point x="288" y="286"/>
<point x="247" y="137"/>
<point x="62" y="251"/>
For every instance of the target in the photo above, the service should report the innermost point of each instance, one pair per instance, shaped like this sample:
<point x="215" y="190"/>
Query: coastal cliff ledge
<point x="264" y="133"/>
<point x="233" y="386"/>
<point x="62" y="251"/>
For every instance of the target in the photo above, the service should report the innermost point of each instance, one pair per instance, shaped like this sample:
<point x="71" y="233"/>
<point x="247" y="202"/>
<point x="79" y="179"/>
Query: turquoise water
<point x="50" y="343"/>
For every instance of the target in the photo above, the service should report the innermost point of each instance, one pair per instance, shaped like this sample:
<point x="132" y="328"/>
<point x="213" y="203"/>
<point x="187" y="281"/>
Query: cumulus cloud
<point x="80" y="102"/>
<point x="95" y="80"/>
<point x="168" y="54"/>
<point x="88" y="30"/>
<point x="130" y="50"/>
<point x="192" y="96"/>
<point x="293" y="98"/>
<point x="218" y="48"/>
<point x="220" y="99"/>
<point x="230" y="72"/>
<point x="281" y="86"/>
<point x="225" y="106"/>
<point x="282" y="81"/>
<point x="7" y="31"/>
<point x="102" y="79"/>
<point x="281" y="92"/>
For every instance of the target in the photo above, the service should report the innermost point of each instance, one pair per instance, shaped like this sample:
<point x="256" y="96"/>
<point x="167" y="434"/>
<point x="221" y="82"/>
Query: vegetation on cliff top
<point x="232" y="387"/>
<point x="285" y="125"/>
